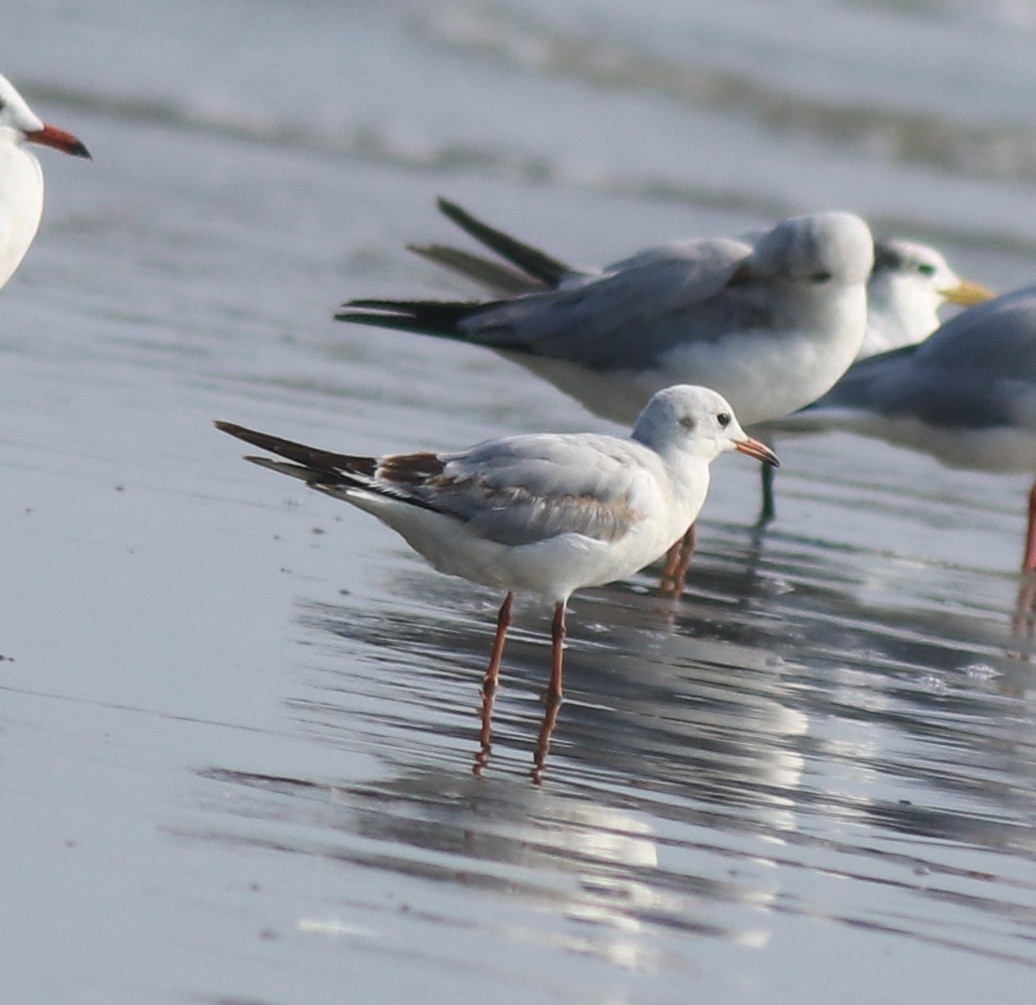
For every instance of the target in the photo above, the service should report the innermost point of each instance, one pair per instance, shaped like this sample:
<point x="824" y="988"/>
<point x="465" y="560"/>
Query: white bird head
<point x="922" y="268"/>
<point x="819" y="249"/>
<point x="909" y="284"/>
<point x="18" y="123"/>
<point x="695" y="420"/>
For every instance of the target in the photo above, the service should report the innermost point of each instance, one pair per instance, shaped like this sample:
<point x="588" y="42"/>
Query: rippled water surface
<point x="238" y="722"/>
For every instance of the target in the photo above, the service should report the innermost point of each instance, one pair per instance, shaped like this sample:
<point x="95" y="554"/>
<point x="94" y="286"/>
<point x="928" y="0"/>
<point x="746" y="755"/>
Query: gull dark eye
<point x="926" y="270"/>
<point x="821" y="277"/>
<point x="723" y="419"/>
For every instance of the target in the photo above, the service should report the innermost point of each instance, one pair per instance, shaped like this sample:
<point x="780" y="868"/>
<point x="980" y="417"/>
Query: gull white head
<point x="697" y="421"/>
<point x="21" y="178"/>
<point x="820" y="249"/>
<point x="908" y="285"/>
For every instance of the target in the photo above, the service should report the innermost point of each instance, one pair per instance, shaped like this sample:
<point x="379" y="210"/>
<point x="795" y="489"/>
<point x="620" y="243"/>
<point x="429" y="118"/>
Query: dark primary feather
<point x="426" y="317"/>
<point x="658" y="300"/>
<point x="309" y="457"/>
<point x="393" y="476"/>
<point x="530" y="260"/>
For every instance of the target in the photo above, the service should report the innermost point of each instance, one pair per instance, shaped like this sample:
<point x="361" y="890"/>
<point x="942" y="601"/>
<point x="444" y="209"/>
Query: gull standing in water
<point x="771" y="325"/>
<point x="21" y="178"/>
<point x="545" y="513"/>
<point x="966" y="395"/>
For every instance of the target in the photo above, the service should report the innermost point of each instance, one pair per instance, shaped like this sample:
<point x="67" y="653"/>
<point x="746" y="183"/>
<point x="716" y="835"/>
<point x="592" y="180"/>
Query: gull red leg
<point x="552" y="696"/>
<point x="557" y="655"/>
<point x="1022" y="620"/>
<point x="672" y="560"/>
<point x="550" y="719"/>
<point x="491" y="681"/>
<point x="690" y="539"/>
<point x="1029" y="564"/>
<point x="677" y="559"/>
<point x="503" y="622"/>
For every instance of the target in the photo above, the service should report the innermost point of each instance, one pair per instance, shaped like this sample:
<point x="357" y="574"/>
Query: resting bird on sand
<point x="765" y="323"/>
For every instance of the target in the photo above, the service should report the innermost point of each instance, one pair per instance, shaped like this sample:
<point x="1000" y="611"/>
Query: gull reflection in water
<point x="567" y="871"/>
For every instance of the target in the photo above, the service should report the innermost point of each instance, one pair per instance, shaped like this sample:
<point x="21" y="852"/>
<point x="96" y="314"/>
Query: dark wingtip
<point x="535" y="263"/>
<point x="252" y="436"/>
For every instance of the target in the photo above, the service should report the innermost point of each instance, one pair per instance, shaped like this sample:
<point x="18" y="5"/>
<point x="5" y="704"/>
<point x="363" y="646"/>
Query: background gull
<point x="771" y="325"/>
<point x="549" y="514"/>
<point x="966" y="395"/>
<point x="21" y="178"/>
<point x="908" y="284"/>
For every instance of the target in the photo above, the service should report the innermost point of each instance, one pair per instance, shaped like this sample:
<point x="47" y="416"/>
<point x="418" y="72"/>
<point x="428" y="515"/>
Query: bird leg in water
<point x="677" y="559"/>
<point x="557" y="655"/>
<point x="550" y="719"/>
<point x="1022" y="620"/>
<point x="552" y="696"/>
<point x="1022" y="623"/>
<point x="491" y="681"/>
<point x="1029" y="564"/>
<point x="769" y="507"/>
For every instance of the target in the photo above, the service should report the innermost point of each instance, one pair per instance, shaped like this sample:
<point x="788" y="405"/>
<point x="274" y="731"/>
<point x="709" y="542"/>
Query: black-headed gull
<point x="21" y="178"/>
<point x="966" y="395"/>
<point x="771" y="325"/>
<point x="908" y="284"/>
<point x="544" y="513"/>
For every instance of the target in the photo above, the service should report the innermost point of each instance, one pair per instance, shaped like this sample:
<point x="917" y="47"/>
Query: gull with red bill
<point x="546" y="513"/>
<point x="21" y="178"/>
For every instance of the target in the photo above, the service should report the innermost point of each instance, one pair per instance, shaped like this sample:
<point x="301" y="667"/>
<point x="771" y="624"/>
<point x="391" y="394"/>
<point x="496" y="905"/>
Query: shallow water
<point x="238" y="723"/>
